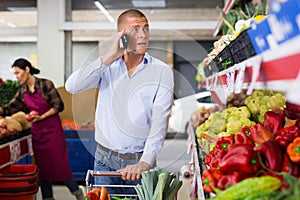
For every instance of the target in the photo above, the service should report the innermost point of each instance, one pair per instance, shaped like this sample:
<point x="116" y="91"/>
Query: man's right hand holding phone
<point x="115" y="51"/>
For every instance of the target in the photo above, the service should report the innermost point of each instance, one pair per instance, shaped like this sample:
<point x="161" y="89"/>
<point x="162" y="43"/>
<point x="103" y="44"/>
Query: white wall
<point x="10" y="52"/>
<point x="83" y="52"/>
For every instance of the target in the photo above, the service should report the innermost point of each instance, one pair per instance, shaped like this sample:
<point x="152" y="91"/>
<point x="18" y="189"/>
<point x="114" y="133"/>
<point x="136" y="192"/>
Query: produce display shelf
<point x="197" y="161"/>
<point x="274" y="69"/>
<point x="12" y="151"/>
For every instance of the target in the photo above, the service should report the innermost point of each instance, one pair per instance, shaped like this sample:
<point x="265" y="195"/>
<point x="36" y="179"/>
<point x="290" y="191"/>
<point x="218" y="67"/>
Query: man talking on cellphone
<point x="133" y="106"/>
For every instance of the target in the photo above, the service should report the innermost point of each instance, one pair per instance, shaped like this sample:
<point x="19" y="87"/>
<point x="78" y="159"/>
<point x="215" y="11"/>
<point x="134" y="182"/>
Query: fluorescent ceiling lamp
<point x="14" y="9"/>
<point x="12" y="25"/>
<point x="104" y="11"/>
<point x="149" y="3"/>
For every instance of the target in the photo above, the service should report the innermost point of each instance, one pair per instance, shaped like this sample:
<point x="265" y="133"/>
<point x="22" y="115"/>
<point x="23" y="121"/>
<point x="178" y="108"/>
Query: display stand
<point x="197" y="155"/>
<point x="275" y="69"/>
<point x="12" y="151"/>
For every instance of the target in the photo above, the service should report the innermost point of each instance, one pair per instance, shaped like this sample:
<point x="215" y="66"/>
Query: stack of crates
<point x="241" y="48"/>
<point x="19" y="182"/>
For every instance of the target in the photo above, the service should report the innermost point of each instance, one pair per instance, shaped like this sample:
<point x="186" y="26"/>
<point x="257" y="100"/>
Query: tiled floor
<point x="172" y="157"/>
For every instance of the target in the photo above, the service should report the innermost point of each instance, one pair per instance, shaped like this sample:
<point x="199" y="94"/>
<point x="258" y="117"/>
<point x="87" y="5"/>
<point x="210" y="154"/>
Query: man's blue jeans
<point x="105" y="161"/>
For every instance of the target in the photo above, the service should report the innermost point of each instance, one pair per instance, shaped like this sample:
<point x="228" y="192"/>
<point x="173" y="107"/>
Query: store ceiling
<point x="201" y="14"/>
<point x="6" y="5"/>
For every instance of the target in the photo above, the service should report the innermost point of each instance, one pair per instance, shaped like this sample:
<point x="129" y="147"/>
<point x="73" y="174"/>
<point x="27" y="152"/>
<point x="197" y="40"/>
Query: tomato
<point x="91" y="196"/>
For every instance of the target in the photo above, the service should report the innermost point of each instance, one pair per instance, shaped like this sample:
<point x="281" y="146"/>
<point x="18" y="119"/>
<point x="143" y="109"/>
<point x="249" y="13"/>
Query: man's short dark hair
<point x="129" y="13"/>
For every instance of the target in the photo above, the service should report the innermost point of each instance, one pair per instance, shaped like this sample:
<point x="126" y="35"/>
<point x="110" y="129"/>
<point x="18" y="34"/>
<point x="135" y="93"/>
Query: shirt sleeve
<point x="86" y="77"/>
<point x="15" y="105"/>
<point x="52" y="96"/>
<point x="160" y="115"/>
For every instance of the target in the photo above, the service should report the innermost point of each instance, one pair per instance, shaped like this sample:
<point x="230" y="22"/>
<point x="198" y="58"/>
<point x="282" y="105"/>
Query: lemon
<point x="259" y="18"/>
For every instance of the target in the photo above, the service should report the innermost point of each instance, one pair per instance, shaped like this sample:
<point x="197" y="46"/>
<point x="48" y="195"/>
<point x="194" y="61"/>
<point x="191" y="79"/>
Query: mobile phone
<point x="124" y="41"/>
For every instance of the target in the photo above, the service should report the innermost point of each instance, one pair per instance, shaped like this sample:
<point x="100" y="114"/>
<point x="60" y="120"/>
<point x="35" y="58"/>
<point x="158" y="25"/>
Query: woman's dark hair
<point x="23" y="63"/>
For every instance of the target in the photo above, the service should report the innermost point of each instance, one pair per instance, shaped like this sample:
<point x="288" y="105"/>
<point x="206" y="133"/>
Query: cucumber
<point x="262" y="196"/>
<point x="248" y="187"/>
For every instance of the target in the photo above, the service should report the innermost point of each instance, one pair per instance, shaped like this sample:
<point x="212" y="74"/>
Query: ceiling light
<point x="149" y="3"/>
<point x="104" y="11"/>
<point x="14" y="9"/>
<point x="11" y="25"/>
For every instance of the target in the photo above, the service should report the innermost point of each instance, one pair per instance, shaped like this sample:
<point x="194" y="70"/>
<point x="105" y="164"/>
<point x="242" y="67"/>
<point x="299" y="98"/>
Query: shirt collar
<point x="146" y="60"/>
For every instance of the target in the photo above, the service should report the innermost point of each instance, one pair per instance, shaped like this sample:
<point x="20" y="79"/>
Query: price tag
<point x="230" y="75"/>
<point x="240" y="77"/>
<point x="15" y="151"/>
<point x="208" y="82"/>
<point x="29" y="144"/>
<point x="255" y="62"/>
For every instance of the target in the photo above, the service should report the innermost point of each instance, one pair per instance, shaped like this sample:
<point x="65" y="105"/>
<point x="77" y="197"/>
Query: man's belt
<point x="124" y="156"/>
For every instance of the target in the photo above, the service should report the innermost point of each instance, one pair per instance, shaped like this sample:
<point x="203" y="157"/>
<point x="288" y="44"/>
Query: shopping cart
<point x="89" y="185"/>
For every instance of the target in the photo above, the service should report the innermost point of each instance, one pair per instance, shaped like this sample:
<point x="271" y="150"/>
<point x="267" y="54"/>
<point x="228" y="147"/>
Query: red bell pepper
<point x="293" y="150"/>
<point x="215" y="162"/>
<point x="213" y="158"/>
<point x="246" y="130"/>
<point x="216" y="173"/>
<point x="240" y="157"/>
<point x="292" y="111"/>
<point x="260" y="134"/>
<point x="208" y="180"/>
<point x="223" y="142"/>
<point x="243" y="136"/>
<point x="228" y="180"/>
<point x="270" y="152"/>
<point x="298" y="123"/>
<point x="286" y="164"/>
<point x="209" y="157"/>
<point x="295" y="170"/>
<point x="285" y="135"/>
<point x="274" y="120"/>
<point x="290" y="167"/>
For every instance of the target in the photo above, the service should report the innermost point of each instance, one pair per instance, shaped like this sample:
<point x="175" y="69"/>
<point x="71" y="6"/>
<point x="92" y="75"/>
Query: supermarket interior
<point x="149" y="99"/>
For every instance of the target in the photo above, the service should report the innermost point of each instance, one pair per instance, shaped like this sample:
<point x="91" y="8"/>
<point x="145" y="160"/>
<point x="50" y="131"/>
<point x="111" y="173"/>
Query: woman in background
<point x="48" y="139"/>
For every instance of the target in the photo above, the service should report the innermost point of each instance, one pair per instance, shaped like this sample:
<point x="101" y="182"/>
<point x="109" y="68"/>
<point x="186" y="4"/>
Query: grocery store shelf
<point x="274" y="69"/>
<point x="13" y="151"/>
<point x="196" y="162"/>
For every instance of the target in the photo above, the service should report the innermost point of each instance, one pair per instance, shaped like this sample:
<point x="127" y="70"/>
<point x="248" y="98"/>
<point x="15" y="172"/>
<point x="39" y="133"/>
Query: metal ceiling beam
<point x="30" y="33"/>
<point x="173" y="25"/>
<point x="18" y="31"/>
